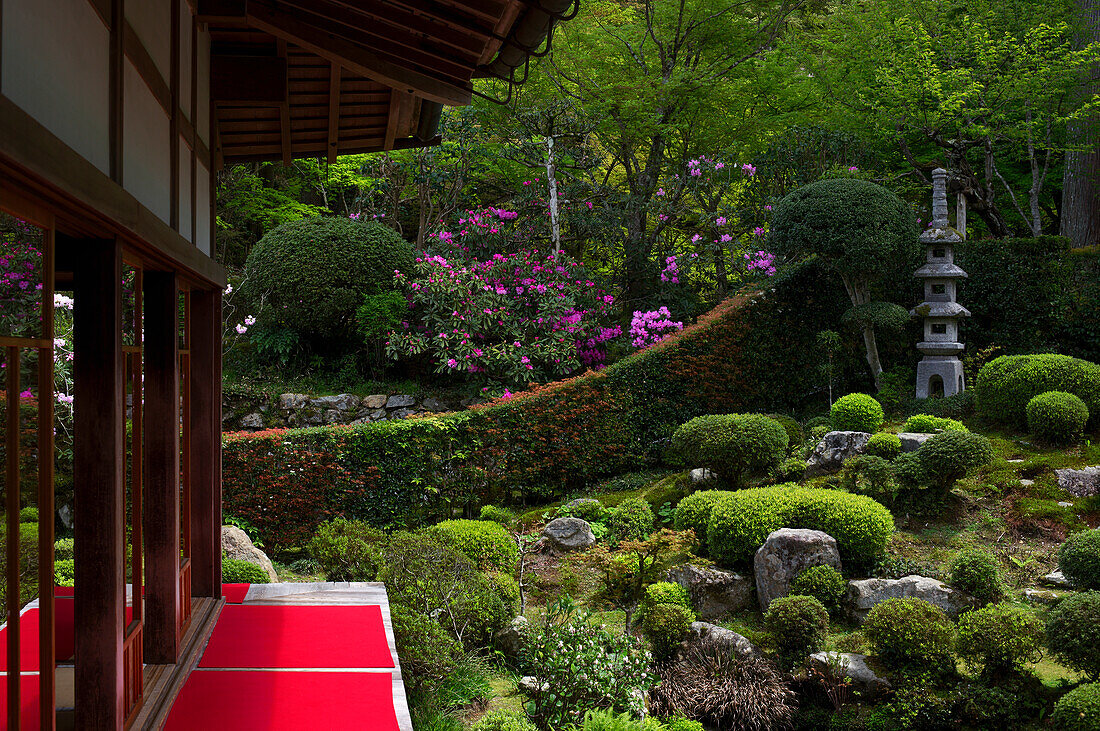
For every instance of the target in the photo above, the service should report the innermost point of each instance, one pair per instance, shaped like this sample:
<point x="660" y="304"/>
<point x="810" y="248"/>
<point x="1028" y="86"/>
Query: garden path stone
<point x="376" y="401"/>
<point x="400" y="402"/>
<point x="714" y="593"/>
<point x="1080" y="483"/>
<point x="733" y="643"/>
<point x="833" y="450"/>
<point x="785" y="554"/>
<point x="864" y="678"/>
<point x="864" y="594"/>
<point x="912" y="441"/>
<point x="568" y="534"/>
<point x="236" y="544"/>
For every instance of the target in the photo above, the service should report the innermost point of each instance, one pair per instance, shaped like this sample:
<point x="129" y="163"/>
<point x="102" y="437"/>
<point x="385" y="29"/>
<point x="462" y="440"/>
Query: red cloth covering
<point x="234" y="593"/>
<point x="28" y="702"/>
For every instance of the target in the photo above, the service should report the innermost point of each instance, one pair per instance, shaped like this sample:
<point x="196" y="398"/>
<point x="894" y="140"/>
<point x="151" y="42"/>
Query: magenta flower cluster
<point x="647" y="328"/>
<point x="760" y="261"/>
<point x="20" y="280"/>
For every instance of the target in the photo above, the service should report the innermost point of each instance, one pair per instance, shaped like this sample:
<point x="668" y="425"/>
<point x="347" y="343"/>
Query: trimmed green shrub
<point x="823" y="583"/>
<point x="947" y="456"/>
<point x="794" y="431"/>
<point x="734" y="446"/>
<point x="682" y="724"/>
<point x="1001" y="638"/>
<point x="857" y="412"/>
<point x="1079" y="559"/>
<point x="607" y="720"/>
<point x="485" y="543"/>
<point x="665" y="625"/>
<point x="492" y="513"/>
<point x="693" y="512"/>
<point x="28" y="565"/>
<point x="28" y="515"/>
<point x="427" y="652"/>
<point x="1006" y="384"/>
<point x="928" y="424"/>
<point x="63" y="548"/>
<point x="632" y="519"/>
<point x="977" y="573"/>
<point x="909" y="470"/>
<point x="867" y="474"/>
<point x="819" y="421"/>
<point x="741" y="521"/>
<point x="64" y="572"/>
<point x="347" y="550"/>
<point x="663" y="592"/>
<point x="1057" y="417"/>
<point x="910" y="633"/>
<point x="504" y="721"/>
<point x="505" y="586"/>
<point x="1078" y="710"/>
<point x="798" y="626"/>
<point x="884" y="445"/>
<point x="791" y="469"/>
<point x="1073" y="632"/>
<point x="235" y="571"/>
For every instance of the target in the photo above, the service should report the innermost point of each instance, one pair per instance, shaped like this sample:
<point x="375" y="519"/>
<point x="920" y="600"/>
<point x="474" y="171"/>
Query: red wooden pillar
<point x="206" y="553"/>
<point x="100" y="597"/>
<point x="162" y="466"/>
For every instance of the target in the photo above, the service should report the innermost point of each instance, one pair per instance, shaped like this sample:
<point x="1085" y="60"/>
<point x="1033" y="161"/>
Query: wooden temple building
<point x="115" y="116"/>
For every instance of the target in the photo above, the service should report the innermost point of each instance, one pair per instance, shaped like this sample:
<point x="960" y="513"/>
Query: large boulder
<point x="864" y="594"/>
<point x="236" y="544"/>
<point x="511" y="638"/>
<point x="400" y="401"/>
<point x="730" y="641"/>
<point x="912" y="441"/>
<point x="834" y="448"/>
<point x="864" y="679"/>
<point x="1080" y="483"/>
<point x="785" y="554"/>
<point x="568" y="534"/>
<point x="714" y="593"/>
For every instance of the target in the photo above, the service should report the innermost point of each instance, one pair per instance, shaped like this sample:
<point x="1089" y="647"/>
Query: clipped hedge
<point x="1006" y="384"/>
<point x="484" y="542"/>
<point x="1057" y="417"/>
<point x="732" y="445"/>
<point x="741" y="521"/>
<point x="693" y="512"/>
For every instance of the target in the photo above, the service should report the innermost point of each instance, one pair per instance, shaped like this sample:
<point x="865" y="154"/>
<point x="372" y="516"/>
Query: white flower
<point x="229" y="289"/>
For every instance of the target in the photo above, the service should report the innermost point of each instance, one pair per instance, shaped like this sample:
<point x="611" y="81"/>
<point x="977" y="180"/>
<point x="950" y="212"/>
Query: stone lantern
<point x="940" y="372"/>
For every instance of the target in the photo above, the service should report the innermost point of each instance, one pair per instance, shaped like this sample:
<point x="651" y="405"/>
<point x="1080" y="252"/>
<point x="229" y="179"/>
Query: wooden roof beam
<point x="284" y="111"/>
<point x="333" y="112"/>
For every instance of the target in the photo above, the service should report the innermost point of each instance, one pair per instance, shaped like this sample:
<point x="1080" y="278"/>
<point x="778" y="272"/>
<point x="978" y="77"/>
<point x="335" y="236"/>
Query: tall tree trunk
<point x="860" y="294"/>
<point x="1081" y="183"/>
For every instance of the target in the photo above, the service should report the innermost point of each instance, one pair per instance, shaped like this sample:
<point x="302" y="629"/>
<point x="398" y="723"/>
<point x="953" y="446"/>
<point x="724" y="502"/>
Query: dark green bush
<point x="663" y="592"/>
<point x="1079" y="559"/>
<point x="909" y="470"/>
<point x="910" y="633"/>
<point x="1078" y="710"/>
<point x="794" y="431"/>
<point x="947" y="456"/>
<point x="242" y="572"/>
<point x="741" y="521"/>
<point x="1073" y="632"/>
<point x="310" y="277"/>
<point x="63" y="548"/>
<point x="929" y="424"/>
<point x="1001" y="638"/>
<point x="588" y="509"/>
<point x="486" y="543"/>
<point x="1057" y="417"/>
<point x="665" y="626"/>
<point x="693" y="512"/>
<point x="798" y="626"/>
<point x="632" y="519"/>
<point x="347" y="550"/>
<point x="977" y="573"/>
<point x="427" y="652"/>
<point x="28" y="564"/>
<point x="1006" y="384"/>
<point x="883" y="444"/>
<point x="857" y="412"/>
<point x="28" y="515"/>
<point x="734" y="446"/>
<point x="869" y="475"/>
<point x="64" y="571"/>
<point x="492" y="513"/>
<point x="791" y="469"/>
<point x="823" y="583"/>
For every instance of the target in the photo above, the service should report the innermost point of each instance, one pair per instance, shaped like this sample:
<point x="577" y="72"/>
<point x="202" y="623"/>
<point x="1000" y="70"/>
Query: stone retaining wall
<point x="253" y="413"/>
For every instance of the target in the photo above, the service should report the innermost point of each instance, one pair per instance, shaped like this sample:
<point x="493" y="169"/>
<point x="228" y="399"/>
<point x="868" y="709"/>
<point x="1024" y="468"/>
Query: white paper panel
<point x="202" y="203"/>
<point x="152" y="21"/>
<point x="185" y="190"/>
<point x="146" y="158"/>
<point x="202" y="124"/>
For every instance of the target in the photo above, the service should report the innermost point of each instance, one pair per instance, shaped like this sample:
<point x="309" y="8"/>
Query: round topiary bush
<point x="1001" y="638"/>
<point x="693" y="512"/>
<point x="589" y="509"/>
<point x="1078" y="710"/>
<point x="631" y="520"/>
<point x="741" y="521"/>
<point x="1073" y="632"/>
<point x="504" y="516"/>
<point x="1057" y="417"/>
<point x="1079" y="559"/>
<point x="928" y="424"/>
<point x="791" y="469"/>
<point x="63" y="548"/>
<point x="884" y="445"/>
<point x="28" y="515"/>
<point x="347" y="550"/>
<point x="798" y="625"/>
<point x="977" y="573"/>
<point x="665" y="625"/>
<point x="910" y="633"/>
<point x="242" y="572"/>
<point x="504" y="721"/>
<point x="484" y="542"/>
<point x="947" y="456"/>
<point x="1006" y="384"/>
<point x="734" y="446"/>
<point x="857" y="412"/>
<point x="823" y="583"/>
<point x="867" y="474"/>
<point x="310" y="276"/>
<point x="663" y="592"/>
<point x="64" y="572"/>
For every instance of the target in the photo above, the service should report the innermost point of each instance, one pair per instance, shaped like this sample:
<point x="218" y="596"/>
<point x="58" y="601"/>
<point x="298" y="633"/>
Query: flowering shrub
<point x="647" y="328"/>
<point x="21" y="247"/>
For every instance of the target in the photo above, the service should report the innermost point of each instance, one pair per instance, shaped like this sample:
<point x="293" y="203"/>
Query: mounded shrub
<point x="791" y="469"/>
<point x="929" y="424"/>
<point x="734" y="446"/>
<point x="28" y="564"/>
<point x="347" y="550"/>
<point x="798" y="626"/>
<point x="910" y="633"/>
<point x="28" y="515"/>
<point x="693" y="512"/>
<point x="823" y="583"/>
<point x="869" y="475"/>
<point x="1078" y="710"/>
<point x="665" y="625"/>
<point x="662" y="592"/>
<point x="1006" y="384"/>
<point x="857" y="412"/>
<point x="235" y="571"/>
<point x="1079" y="559"/>
<point x="588" y="509"/>
<point x="909" y="470"/>
<point x="504" y="721"/>
<point x="64" y="572"/>
<point x="1001" y="638"/>
<point x="1073" y="632"/>
<point x="1057" y="417"/>
<point x="631" y="520"/>
<point x="977" y="573"/>
<point x="63" y="548"/>
<point x="427" y="652"/>
<point x="791" y="426"/>
<point x="884" y="445"/>
<point x="485" y="543"/>
<point x="504" y="516"/>
<point x="947" y="456"/>
<point x="741" y="521"/>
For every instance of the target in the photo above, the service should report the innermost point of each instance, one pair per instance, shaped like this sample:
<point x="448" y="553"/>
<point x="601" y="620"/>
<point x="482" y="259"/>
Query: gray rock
<point x="1026" y="482"/>
<point x="568" y="534"/>
<point x="236" y="544"/>
<point x="377" y="401"/>
<point x="834" y="448"/>
<point x="1041" y="596"/>
<point x="1080" y="483"/>
<point x="400" y="402"/>
<point x="378" y="415"/>
<point x="293" y="400"/>
<point x="333" y="416"/>
<point x="65" y="512"/>
<point x="527" y="684"/>
<point x="864" y="594"/>
<point x="864" y="679"/>
<point x="784" y="555"/>
<point x="340" y="402"/>
<point x="401" y="413"/>
<point x="729" y="640"/>
<point x="435" y="405"/>
<point x="912" y="441"/>
<point x="1058" y="580"/>
<point x="511" y="638"/>
<point x="702" y="474"/>
<point x="1065" y="504"/>
<point x="714" y="593"/>
<point x="252" y="421"/>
